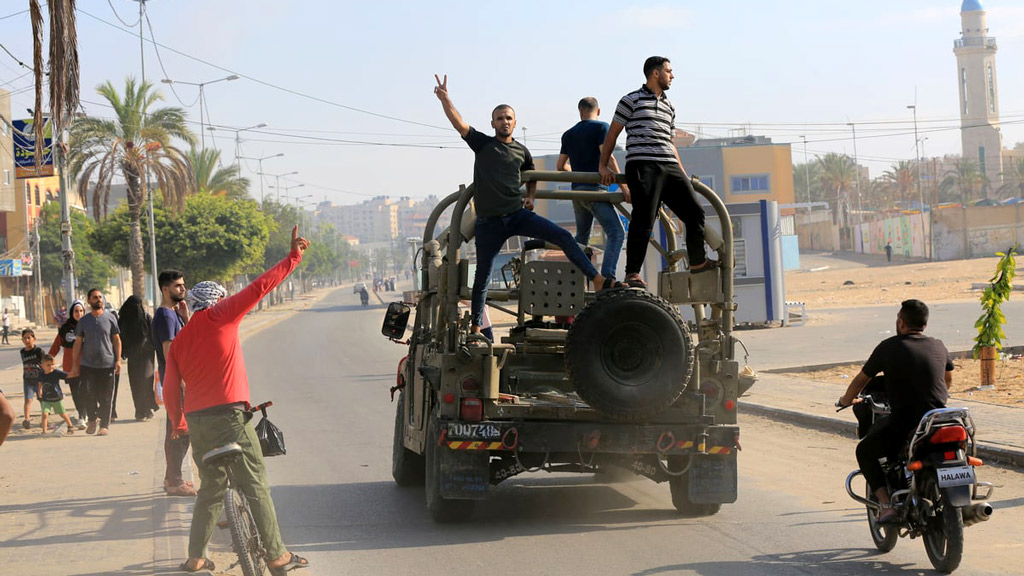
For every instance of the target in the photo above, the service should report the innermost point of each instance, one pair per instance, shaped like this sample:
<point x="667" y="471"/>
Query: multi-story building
<point x="975" y="54"/>
<point x="375" y="220"/>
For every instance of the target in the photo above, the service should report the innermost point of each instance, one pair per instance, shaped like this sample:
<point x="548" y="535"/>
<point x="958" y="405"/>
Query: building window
<point x="708" y="181"/>
<point x="7" y="177"/>
<point x="963" y="88"/>
<point x="37" y="196"/>
<point x="752" y="183"/>
<point x="991" y="90"/>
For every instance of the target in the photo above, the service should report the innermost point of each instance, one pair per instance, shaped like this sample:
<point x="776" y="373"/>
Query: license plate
<point x="959" y="476"/>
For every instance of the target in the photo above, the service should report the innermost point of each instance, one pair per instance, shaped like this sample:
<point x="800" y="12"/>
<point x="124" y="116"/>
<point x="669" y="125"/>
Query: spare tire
<point x="629" y="354"/>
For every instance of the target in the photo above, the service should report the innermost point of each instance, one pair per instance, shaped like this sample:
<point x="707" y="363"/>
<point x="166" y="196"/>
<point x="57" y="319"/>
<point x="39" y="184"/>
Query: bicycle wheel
<point x="245" y="539"/>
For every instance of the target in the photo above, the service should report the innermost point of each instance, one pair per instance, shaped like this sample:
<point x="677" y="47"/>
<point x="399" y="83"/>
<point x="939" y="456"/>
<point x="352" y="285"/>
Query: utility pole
<point x="39" y="274"/>
<point x="145" y="172"/>
<point x="856" y="168"/>
<point x="807" y="180"/>
<point x="67" y="253"/>
<point x="917" y="156"/>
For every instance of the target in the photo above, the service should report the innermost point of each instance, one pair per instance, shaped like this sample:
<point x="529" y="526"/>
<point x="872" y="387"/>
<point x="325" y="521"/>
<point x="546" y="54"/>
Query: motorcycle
<point x="932" y="484"/>
<point x="364" y="297"/>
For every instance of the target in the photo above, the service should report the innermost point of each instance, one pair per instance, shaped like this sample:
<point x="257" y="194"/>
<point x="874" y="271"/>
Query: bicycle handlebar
<point x="263" y="406"/>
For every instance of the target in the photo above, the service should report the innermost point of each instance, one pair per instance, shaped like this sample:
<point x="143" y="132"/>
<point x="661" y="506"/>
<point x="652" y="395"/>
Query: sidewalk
<point x="90" y="506"/>
<point x="1000" y="429"/>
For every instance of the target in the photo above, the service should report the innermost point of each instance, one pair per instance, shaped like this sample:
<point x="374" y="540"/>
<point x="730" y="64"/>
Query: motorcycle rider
<point x="364" y="296"/>
<point x="918" y="372"/>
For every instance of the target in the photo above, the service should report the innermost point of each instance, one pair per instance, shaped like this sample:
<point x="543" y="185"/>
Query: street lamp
<point x="201" y="85"/>
<point x="287" y="188"/>
<point x="917" y="156"/>
<point x="260" y="160"/>
<point x="278" y="180"/>
<point x="238" y="138"/>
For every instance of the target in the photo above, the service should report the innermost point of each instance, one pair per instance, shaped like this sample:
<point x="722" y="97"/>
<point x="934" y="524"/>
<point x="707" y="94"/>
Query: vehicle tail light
<point x="470" y="384"/>
<point x="948" y="435"/>
<point x="974" y="461"/>
<point x="729" y="405"/>
<point x="471" y="410"/>
<point x="711" y="389"/>
<point x="949" y="456"/>
<point x="449" y="398"/>
<point x="915" y="466"/>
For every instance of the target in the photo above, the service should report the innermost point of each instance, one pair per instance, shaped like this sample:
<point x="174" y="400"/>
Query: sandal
<point x="294" y="562"/>
<point x="206" y="566"/>
<point x="634" y="281"/>
<point x="180" y="490"/>
<point x="609" y="282"/>
<point x="886" y="516"/>
<point x="709" y="264"/>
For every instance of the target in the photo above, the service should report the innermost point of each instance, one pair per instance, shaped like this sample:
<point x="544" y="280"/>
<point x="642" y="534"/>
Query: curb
<point x="988" y="452"/>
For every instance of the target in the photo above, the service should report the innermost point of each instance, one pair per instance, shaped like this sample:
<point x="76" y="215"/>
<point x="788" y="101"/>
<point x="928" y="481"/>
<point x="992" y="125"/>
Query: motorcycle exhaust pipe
<point x="976" y="513"/>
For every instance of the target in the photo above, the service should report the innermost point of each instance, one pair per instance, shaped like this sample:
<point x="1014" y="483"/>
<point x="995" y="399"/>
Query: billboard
<point x="10" y="268"/>
<point x="25" y="149"/>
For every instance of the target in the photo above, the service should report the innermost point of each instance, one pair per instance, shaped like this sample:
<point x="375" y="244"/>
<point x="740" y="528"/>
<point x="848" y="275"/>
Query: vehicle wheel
<point x="944" y="532"/>
<point x="680" y="488"/>
<point x="245" y="539"/>
<point x="629" y="354"/>
<point x="406" y="466"/>
<point x="442" y="510"/>
<point x="884" y="537"/>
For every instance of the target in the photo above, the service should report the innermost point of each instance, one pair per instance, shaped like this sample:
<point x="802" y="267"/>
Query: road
<point x="328" y="371"/>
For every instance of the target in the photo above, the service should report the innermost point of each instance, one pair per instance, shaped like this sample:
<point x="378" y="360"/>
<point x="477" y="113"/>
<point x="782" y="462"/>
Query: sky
<point x="346" y="88"/>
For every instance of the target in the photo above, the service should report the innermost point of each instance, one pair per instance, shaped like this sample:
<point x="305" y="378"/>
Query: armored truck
<point x="582" y="382"/>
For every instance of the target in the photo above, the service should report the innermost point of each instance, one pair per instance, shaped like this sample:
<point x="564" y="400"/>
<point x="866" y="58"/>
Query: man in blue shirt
<point x="581" y="152"/>
<point x="168" y="320"/>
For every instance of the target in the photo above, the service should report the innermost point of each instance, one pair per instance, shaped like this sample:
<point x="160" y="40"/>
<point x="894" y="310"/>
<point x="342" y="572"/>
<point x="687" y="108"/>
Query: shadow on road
<point x="345" y="308"/>
<point x="380" y="515"/>
<point x="839" y="561"/>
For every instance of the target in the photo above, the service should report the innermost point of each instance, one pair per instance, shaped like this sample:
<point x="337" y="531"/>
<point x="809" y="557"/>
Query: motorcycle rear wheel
<point x="884" y="537"/>
<point x="944" y="532"/>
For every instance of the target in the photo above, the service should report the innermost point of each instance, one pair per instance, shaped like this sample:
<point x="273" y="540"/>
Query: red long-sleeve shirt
<point x="207" y="354"/>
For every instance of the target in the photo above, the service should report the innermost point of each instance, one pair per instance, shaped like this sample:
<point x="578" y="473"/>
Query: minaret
<point x="979" y="92"/>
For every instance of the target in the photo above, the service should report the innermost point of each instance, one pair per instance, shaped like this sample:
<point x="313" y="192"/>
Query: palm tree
<point x="135" y="145"/>
<point x="837" y="172"/>
<point x="902" y="178"/>
<point x="964" y="177"/>
<point x="62" y="66"/>
<point x="1013" y="177"/>
<point x="804" y="175"/>
<point x="218" y="181"/>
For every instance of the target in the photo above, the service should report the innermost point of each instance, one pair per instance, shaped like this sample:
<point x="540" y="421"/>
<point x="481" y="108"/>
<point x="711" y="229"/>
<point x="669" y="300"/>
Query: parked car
<point x="358" y="287"/>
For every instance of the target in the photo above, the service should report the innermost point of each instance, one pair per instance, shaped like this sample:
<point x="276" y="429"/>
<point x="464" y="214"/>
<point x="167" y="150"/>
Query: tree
<point x="213" y="180"/>
<point x="965" y="177"/>
<point x="1013" y="178"/>
<point x="804" y="174"/>
<point x="136" y="146"/>
<point x="836" y="172"/>
<point x="61" y="67"/>
<point x="902" y="178"/>
<point x="213" y="238"/>
<point x="91" y="267"/>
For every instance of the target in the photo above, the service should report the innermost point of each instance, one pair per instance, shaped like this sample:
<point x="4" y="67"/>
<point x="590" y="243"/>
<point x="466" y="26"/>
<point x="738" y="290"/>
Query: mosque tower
<point x="979" y="91"/>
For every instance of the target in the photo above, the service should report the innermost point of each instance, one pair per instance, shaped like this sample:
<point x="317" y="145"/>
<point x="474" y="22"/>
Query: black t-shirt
<point x="582" y="144"/>
<point x="31" y="361"/>
<point x="51" y="385"/>
<point x="496" y="173"/>
<point x="915" y="369"/>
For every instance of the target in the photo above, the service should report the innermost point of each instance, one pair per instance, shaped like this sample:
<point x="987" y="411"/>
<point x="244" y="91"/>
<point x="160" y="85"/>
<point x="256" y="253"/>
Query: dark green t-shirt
<point x="496" y="173"/>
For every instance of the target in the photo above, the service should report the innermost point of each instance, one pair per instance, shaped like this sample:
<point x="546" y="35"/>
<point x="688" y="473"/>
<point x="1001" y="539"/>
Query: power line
<point x="270" y="84"/>
<point x="161" y="62"/>
<point x="114" y="10"/>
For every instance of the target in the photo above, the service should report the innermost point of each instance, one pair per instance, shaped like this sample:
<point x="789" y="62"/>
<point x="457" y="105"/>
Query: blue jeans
<point x="491" y="234"/>
<point x="609" y="220"/>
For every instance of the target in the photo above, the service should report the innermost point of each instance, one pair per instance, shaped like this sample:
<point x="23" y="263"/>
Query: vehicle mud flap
<point x="713" y="479"/>
<point x="465" y="474"/>
<point x="958" y="496"/>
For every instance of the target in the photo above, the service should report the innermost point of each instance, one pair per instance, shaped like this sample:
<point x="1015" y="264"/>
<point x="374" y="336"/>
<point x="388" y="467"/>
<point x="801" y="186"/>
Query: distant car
<point x="359" y="287"/>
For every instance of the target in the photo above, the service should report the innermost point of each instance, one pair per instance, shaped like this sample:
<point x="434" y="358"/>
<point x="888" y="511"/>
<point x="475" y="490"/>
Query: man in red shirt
<point x="215" y="409"/>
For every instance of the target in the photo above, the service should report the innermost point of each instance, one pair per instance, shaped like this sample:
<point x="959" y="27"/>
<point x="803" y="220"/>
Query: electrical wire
<point x="114" y="10"/>
<point x="161" y="62"/>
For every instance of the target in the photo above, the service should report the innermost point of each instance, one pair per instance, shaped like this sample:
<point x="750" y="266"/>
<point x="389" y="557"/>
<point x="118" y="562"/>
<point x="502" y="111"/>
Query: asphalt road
<point x="328" y="371"/>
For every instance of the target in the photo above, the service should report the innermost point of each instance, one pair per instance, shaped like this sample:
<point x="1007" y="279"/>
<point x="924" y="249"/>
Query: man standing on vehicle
<point x="168" y="320"/>
<point x="502" y="210"/>
<point x="654" y="172"/>
<point x="918" y="374"/>
<point x="97" y="355"/>
<point x="581" y="152"/>
<point x="207" y="356"/>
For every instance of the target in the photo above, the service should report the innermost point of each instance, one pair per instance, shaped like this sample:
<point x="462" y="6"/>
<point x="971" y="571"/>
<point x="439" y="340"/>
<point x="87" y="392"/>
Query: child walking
<point x="31" y="358"/>
<point x="51" y="397"/>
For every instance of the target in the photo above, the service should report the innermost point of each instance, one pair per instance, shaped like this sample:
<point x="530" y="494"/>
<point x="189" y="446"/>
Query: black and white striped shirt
<point x="650" y="122"/>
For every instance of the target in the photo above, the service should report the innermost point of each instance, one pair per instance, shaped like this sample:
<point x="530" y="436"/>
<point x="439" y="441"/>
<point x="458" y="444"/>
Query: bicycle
<point x="245" y="538"/>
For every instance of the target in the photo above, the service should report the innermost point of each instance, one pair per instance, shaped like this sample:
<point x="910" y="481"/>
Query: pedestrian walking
<point x="31" y="364"/>
<point x="206" y="358"/>
<point x="97" y="358"/>
<point x="654" y="172"/>
<point x="136" y="326"/>
<point x="501" y="208"/>
<point x="51" y="397"/>
<point x="168" y="320"/>
<point x="888" y="251"/>
<point x="7" y="326"/>
<point x="581" y="152"/>
<point x="65" y="341"/>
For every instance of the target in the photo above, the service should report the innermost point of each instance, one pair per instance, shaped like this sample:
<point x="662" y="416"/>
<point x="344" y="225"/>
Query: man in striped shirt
<point x="654" y="172"/>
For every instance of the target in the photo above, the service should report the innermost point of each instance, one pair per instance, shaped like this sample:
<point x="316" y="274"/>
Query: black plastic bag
<point x="271" y="437"/>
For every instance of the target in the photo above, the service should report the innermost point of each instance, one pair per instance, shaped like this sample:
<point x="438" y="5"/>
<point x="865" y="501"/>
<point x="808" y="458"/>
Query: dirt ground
<point x="820" y="284"/>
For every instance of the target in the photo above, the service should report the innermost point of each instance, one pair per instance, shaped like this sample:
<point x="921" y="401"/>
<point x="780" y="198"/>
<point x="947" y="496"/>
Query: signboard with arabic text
<point x="25" y="149"/>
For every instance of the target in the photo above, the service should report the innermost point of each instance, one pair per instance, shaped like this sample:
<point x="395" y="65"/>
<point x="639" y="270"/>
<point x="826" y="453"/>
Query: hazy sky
<point x="346" y="87"/>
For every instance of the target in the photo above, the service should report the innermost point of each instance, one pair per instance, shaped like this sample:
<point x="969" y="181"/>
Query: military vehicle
<point x="583" y="381"/>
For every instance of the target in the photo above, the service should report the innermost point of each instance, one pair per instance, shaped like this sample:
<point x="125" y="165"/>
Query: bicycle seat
<point x="222" y="454"/>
